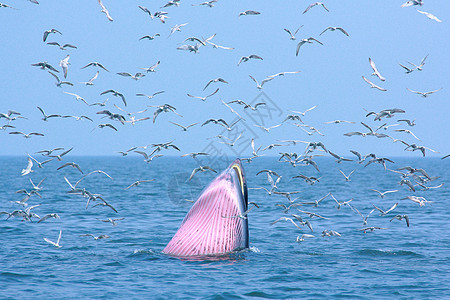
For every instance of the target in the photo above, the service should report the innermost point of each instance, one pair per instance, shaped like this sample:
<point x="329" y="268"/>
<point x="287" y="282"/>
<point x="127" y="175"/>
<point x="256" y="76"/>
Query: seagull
<point x="163" y="108"/>
<point x="58" y="82"/>
<point x="136" y="77"/>
<point x="46" y="117"/>
<point x="267" y="129"/>
<point x="316" y="202"/>
<point x="102" y="236"/>
<point x="311" y="215"/>
<point x="335" y="28"/>
<point x="177" y="28"/>
<point x="107" y="125"/>
<point x="314" y="4"/>
<point x="342" y="203"/>
<point x="201" y="169"/>
<point x="302" y="238"/>
<point x="409" y="122"/>
<point x="53" y="215"/>
<point x="330" y="233"/>
<point x="71" y="164"/>
<point x="424" y="94"/>
<point x="304" y="113"/>
<point x="195" y="39"/>
<point x="247" y="58"/>
<point x="408" y="70"/>
<point x="286" y="219"/>
<point x="62" y="47"/>
<point x="64" y="64"/>
<point x="189" y="48"/>
<point x="112" y="221"/>
<point x="105" y="11"/>
<point x="383" y="194"/>
<point x="47" y="32"/>
<point x="138" y="182"/>
<point x="347" y="178"/>
<point x="214" y="81"/>
<point x="282" y="74"/>
<point x="339" y="158"/>
<point x="372" y="85"/>
<point x="91" y="81"/>
<point x="408" y="183"/>
<point x="401" y="217"/>
<point x="172" y="3"/>
<point x="116" y="94"/>
<point x="204" y="98"/>
<point x="152" y="68"/>
<point x="249" y="13"/>
<point x="104" y="203"/>
<point x="244" y="214"/>
<point x="309" y="40"/>
<point x="194" y="154"/>
<point x="371" y="229"/>
<point x="48" y="152"/>
<point x="27" y="170"/>
<point x="37" y="187"/>
<point x="375" y="70"/>
<point x="185" y="128"/>
<point x="45" y="65"/>
<point x="150" y="37"/>
<point x="339" y="121"/>
<point x="95" y="64"/>
<point x="7" y="6"/>
<point x="150" y="96"/>
<point x="364" y="218"/>
<point x="420" y="200"/>
<point x="209" y="3"/>
<point x="412" y="2"/>
<point x="79" y="98"/>
<point x="430" y="16"/>
<point x="295" y="32"/>
<point x="57" y="242"/>
<point x="407" y="131"/>
<point x="27" y="135"/>
<point x="218" y="46"/>
<point x="422" y="63"/>
<point x="59" y="156"/>
<point x="259" y="86"/>
<point x="241" y="102"/>
<point x="383" y="213"/>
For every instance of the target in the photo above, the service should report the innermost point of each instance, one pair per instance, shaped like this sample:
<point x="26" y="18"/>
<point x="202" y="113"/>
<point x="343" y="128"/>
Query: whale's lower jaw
<point x="213" y="226"/>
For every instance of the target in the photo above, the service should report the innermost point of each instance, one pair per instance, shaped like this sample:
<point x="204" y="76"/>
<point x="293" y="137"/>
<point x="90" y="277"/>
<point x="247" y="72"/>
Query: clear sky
<point x="330" y="74"/>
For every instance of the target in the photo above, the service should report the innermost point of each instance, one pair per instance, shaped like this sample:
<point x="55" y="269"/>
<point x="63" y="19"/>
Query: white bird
<point x="112" y="221"/>
<point x="105" y="11"/>
<point x="91" y="81"/>
<point x="424" y="94"/>
<point x="247" y="58"/>
<point x="185" y="128"/>
<point x="53" y="215"/>
<point x="201" y="169"/>
<point x="282" y="74"/>
<point x="412" y="2"/>
<point x="383" y="213"/>
<point x="152" y="68"/>
<point x="430" y="16"/>
<point x="383" y="194"/>
<point x="177" y="28"/>
<point x="219" y="47"/>
<point x="309" y="40"/>
<point x="57" y="245"/>
<point x="259" y="86"/>
<point x="47" y="32"/>
<point x="79" y="98"/>
<point x="372" y="85"/>
<point x="314" y="4"/>
<point x="101" y="236"/>
<point x="267" y="129"/>
<point x="138" y="182"/>
<point x="214" y="81"/>
<point x="64" y="64"/>
<point x="302" y="238"/>
<point x="249" y="13"/>
<point x="58" y="82"/>
<point x="347" y="177"/>
<point x="335" y="28"/>
<point x="28" y="169"/>
<point x="150" y="96"/>
<point x="290" y="33"/>
<point x="375" y="70"/>
<point x="204" y="98"/>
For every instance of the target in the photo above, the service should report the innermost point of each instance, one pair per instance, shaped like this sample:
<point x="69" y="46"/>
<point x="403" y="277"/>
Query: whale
<point x="215" y="224"/>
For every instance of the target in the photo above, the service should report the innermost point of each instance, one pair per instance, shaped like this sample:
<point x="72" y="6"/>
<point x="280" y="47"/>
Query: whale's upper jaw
<point x="213" y="225"/>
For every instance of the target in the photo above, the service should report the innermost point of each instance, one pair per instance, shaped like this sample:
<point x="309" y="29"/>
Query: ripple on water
<point x="375" y="253"/>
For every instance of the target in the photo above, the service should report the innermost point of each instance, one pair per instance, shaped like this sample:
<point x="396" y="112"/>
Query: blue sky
<point x="330" y="74"/>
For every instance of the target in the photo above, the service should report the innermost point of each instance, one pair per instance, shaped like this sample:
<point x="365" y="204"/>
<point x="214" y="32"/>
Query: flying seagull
<point x="372" y="85"/>
<point x="314" y="4"/>
<point x="57" y="245"/>
<point x="335" y="28"/>
<point x="375" y="70"/>
<point x="290" y="33"/>
<point x="47" y="32"/>
<point x="309" y="40"/>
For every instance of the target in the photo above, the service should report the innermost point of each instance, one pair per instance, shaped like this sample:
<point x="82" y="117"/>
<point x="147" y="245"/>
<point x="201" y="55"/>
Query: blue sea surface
<point x="398" y="262"/>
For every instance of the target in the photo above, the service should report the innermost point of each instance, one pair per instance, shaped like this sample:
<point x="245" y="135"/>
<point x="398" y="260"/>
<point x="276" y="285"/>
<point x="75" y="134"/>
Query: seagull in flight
<point x="57" y="245"/>
<point x="383" y="213"/>
<point x="138" y="182"/>
<point x="150" y="37"/>
<point x="214" y="81"/>
<point x="430" y="16"/>
<point x="58" y="82"/>
<point x="201" y="169"/>
<point x="152" y="68"/>
<point x="383" y="194"/>
<point x="105" y="11"/>
<point x="401" y="217"/>
<point x="91" y="81"/>
<point x="347" y="177"/>
<point x="95" y="64"/>
<point x="290" y="33"/>
<point x="150" y="96"/>
<point x="185" y="128"/>
<point x="314" y="4"/>
<point x="247" y="58"/>
<point x="335" y="28"/>
<point x="102" y="236"/>
<point x="27" y="135"/>
<point x="259" y="86"/>
<point x="373" y="85"/>
<point x="309" y="40"/>
<point x="424" y="94"/>
<point x="47" y="32"/>
<point x="375" y="70"/>
<point x="177" y="28"/>
<point x="45" y="65"/>
<point x="64" y="64"/>
<point x="62" y="47"/>
<point x="78" y="97"/>
<point x="117" y="94"/>
<point x="249" y="13"/>
<point x="204" y="98"/>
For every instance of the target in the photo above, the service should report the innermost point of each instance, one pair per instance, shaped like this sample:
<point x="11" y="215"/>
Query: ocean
<point x="396" y="262"/>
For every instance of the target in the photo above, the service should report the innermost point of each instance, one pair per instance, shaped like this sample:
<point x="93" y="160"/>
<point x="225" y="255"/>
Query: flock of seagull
<point x="410" y="178"/>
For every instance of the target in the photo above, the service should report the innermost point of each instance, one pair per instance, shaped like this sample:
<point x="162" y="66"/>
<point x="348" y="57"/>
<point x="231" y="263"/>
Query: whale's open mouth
<point x="214" y="224"/>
